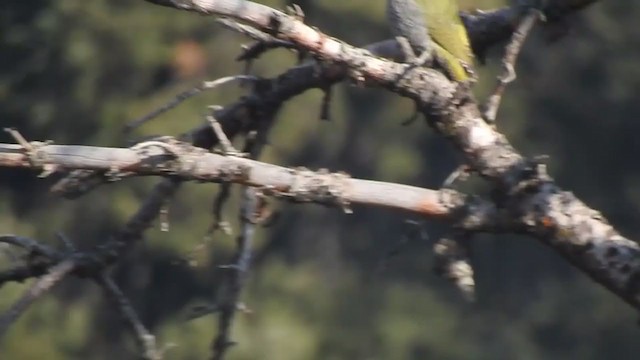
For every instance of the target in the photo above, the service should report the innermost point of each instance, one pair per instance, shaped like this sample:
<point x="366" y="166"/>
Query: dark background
<point x="75" y="71"/>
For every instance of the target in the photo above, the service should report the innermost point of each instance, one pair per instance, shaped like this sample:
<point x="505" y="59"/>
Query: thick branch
<point x="182" y="161"/>
<point x="554" y="216"/>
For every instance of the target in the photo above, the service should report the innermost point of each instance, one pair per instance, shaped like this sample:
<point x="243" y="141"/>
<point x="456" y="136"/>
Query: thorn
<point x="19" y="138"/>
<point x="460" y="173"/>
<point x="47" y="170"/>
<point x="296" y="11"/>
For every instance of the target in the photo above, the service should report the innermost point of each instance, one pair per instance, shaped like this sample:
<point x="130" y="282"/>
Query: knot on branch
<point x="166" y="154"/>
<point x="87" y="265"/>
<point x="155" y="154"/>
<point x="37" y="158"/>
<point x="321" y="187"/>
<point x="527" y="178"/>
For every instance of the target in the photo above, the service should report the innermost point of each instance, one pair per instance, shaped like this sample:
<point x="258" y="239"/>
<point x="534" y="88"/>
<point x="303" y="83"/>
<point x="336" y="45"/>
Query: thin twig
<point x="459" y="173"/>
<point x="146" y="340"/>
<point x="325" y="107"/>
<point x="29" y="245"/>
<point x="223" y="140"/>
<point x="205" y="85"/>
<point x="508" y="63"/>
<point x="247" y="30"/>
<point x="141" y="220"/>
<point x="238" y="272"/>
<point x="68" y="244"/>
<point x="19" y="138"/>
<point x="223" y="195"/>
<point x="253" y="51"/>
<point x="41" y="286"/>
<point x="237" y="275"/>
<point x="264" y="42"/>
<point x="218" y="223"/>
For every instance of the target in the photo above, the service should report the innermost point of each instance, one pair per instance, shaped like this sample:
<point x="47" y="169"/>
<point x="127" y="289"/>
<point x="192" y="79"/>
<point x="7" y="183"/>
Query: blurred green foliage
<point x="75" y="71"/>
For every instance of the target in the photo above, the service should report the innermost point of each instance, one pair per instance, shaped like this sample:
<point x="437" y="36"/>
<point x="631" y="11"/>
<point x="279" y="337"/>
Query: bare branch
<point x="224" y="142"/>
<point x="41" y="286"/>
<point x="146" y="340"/>
<point x="183" y="161"/>
<point x="21" y="273"/>
<point x="237" y="274"/>
<point x="508" y="63"/>
<point x="555" y="217"/>
<point x="139" y="222"/>
<point x="183" y="96"/>
<point x="39" y="259"/>
<point x="229" y="297"/>
<point x="264" y="42"/>
<point x="15" y="134"/>
<point x="29" y="245"/>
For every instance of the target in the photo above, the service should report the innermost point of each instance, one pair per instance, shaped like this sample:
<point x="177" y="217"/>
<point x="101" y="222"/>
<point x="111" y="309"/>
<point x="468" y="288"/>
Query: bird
<point x="434" y="26"/>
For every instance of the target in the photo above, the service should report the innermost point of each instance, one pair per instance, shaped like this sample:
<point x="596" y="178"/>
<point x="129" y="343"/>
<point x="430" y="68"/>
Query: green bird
<point x="434" y="25"/>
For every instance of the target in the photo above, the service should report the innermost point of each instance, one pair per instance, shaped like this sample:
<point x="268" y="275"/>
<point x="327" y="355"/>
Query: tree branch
<point x="185" y="162"/>
<point x="146" y="341"/>
<point x="554" y="216"/>
<point x="237" y="275"/>
<point x="41" y="286"/>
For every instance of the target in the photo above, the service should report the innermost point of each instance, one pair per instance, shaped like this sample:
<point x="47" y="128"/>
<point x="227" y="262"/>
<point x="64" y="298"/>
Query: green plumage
<point x="434" y="24"/>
